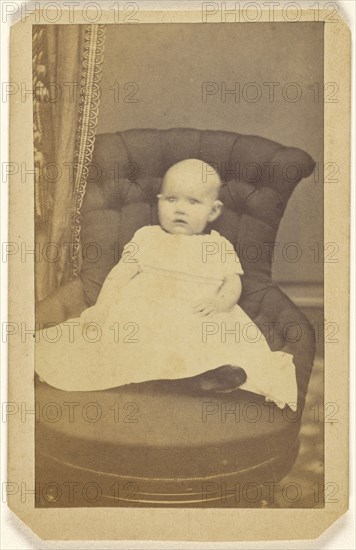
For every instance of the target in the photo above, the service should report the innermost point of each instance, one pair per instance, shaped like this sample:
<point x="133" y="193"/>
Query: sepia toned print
<point x="180" y="247"/>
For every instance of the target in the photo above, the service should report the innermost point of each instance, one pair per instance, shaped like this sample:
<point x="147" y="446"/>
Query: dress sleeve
<point x="230" y="262"/>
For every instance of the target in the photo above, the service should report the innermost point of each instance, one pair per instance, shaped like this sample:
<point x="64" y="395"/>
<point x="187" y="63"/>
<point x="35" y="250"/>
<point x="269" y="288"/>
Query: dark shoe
<point x="221" y="379"/>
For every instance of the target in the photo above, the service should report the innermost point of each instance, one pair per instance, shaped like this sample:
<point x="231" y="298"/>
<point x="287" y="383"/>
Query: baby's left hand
<point x="208" y="307"/>
<point x="226" y="298"/>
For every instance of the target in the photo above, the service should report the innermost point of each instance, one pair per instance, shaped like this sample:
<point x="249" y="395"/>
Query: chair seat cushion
<point x="160" y="428"/>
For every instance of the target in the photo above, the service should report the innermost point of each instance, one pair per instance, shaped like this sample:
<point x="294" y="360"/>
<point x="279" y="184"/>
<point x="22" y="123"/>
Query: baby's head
<point x="189" y="197"/>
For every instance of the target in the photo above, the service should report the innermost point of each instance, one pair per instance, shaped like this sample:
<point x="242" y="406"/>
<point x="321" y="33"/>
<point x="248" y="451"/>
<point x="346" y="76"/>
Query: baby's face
<point x="186" y="205"/>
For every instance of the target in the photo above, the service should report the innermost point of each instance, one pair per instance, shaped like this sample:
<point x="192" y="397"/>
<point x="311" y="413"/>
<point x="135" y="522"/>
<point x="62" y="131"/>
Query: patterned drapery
<point x="40" y="103"/>
<point x="67" y="64"/>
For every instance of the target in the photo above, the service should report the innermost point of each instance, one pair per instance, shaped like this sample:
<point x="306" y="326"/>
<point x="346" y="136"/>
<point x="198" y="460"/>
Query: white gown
<point x="151" y="331"/>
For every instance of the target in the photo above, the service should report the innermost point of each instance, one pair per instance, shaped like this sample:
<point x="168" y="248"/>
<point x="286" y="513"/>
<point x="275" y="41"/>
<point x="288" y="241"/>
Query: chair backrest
<point x="259" y="176"/>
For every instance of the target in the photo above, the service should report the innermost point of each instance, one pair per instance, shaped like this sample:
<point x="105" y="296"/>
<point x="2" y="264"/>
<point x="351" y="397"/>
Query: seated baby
<point x="176" y="295"/>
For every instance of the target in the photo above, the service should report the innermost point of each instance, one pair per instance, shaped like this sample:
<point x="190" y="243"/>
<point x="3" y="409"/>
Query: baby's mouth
<point x="180" y="221"/>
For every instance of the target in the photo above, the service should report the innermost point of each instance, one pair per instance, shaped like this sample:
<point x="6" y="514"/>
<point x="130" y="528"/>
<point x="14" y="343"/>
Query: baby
<point x="173" y="300"/>
<point x="188" y="202"/>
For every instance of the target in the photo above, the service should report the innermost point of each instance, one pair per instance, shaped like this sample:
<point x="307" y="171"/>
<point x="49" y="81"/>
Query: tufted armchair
<point x="180" y="440"/>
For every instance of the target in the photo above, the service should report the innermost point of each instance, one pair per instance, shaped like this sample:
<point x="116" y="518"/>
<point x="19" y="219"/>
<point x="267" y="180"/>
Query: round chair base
<point x="156" y="444"/>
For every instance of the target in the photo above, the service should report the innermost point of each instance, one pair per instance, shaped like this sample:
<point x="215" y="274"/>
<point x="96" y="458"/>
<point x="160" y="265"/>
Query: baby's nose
<point x="180" y="207"/>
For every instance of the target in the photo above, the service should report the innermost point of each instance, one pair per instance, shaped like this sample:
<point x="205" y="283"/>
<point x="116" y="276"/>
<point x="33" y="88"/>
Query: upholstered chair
<point x="160" y="443"/>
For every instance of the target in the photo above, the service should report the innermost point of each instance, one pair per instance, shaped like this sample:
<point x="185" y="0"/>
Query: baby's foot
<point x="223" y="379"/>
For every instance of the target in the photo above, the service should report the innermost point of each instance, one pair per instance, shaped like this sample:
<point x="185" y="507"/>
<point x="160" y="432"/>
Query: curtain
<point x="67" y="64"/>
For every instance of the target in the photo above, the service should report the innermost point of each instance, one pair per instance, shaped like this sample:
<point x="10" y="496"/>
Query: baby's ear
<point x="216" y="210"/>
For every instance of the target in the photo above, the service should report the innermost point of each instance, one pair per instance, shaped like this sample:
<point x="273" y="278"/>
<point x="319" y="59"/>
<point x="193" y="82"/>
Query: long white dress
<point x="151" y="331"/>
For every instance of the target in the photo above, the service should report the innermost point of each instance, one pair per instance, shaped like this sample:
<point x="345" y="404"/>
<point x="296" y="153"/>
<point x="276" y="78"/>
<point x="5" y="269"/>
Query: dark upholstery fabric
<point x="259" y="176"/>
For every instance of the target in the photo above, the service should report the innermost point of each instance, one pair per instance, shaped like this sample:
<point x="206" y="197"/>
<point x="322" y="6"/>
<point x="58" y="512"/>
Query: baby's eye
<point x="193" y="201"/>
<point x="170" y="199"/>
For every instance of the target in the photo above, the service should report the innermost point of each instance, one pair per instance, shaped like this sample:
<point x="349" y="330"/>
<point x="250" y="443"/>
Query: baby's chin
<point x="179" y="229"/>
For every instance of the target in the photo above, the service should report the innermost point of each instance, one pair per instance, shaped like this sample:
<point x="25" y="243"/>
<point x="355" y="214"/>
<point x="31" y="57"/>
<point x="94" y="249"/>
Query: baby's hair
<point x="196" y="168"/>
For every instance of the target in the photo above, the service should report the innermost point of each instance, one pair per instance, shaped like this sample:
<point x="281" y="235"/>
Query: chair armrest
<point x="66" y="302"/>
<point x="285" y="327"/>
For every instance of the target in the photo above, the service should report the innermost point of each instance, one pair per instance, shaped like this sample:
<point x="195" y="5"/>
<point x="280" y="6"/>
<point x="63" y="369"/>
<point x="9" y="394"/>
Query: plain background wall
<point x="169" y="63"/>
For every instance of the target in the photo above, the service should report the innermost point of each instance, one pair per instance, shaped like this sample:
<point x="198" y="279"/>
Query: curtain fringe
<point x="89" y="101"/>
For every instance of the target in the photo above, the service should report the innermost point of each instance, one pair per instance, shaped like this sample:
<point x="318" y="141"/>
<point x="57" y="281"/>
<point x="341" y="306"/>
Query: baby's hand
<point x="224" y="301"/>
<point x="208" y="307"/>
<point x="204" y="308"/>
